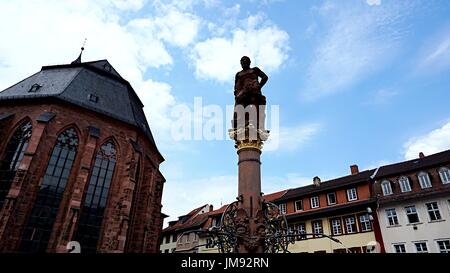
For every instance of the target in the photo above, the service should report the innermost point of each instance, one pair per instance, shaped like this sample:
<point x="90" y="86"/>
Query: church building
<point x="78" y="162"/>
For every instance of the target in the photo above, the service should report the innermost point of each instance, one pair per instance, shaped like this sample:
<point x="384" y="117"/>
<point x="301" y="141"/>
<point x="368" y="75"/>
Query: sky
<point x="350" y="82"/>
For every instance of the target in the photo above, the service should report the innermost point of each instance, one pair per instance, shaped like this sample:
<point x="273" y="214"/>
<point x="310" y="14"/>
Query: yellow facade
<point x="323" y="244"/>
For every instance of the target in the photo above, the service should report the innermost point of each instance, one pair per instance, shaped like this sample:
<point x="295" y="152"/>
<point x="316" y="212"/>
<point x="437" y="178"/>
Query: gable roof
<point x="414" y="164"/>
<point x="360" y="177"/>
<point x="76" y="82"/>
<point x="274" y="196"/>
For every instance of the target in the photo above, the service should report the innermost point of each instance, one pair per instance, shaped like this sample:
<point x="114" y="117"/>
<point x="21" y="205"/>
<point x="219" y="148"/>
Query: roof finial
<point x="78" y="60"/>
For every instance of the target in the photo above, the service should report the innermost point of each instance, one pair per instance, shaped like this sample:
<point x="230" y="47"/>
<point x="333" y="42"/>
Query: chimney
<point x="316" y="181"/>
<point x="421" y="155"/>
<point x="354" y="169"/>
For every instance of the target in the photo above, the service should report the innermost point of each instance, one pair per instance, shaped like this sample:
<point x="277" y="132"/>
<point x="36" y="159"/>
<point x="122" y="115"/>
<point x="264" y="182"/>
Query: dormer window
<point x="34" y="88"/>
<point x="93" y="98"/>
<point x="352" y="194"/>
<point x="444" y="173"/>
<point x="315" y="203"/>
<point x="405" y="186"/>
<point x="282" y="208"/>
<point x="386" y="187"/>
<point x="424" y="180"/>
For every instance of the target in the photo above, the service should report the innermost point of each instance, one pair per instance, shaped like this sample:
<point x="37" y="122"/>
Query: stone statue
<point x="247" y="92"/>
<point x="247" y="88"/>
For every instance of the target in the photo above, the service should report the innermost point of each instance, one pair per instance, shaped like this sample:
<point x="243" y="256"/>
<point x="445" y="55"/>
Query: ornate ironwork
<point x="277" y="228"/>
<point x="275" y="237"/>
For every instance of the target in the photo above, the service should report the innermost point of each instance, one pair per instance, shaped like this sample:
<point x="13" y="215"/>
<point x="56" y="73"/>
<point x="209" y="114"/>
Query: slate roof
<point x="74" y="83"/>
<point x="414" y="164"/>
<point x="360" y="177"/>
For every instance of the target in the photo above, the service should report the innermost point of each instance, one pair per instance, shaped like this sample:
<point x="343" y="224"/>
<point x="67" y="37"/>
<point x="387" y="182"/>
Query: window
<point x="93" y="208"/>
<point x="412" y="215"/>
<point x="350" y="224"/>
<point x="399" y="248"/>
<point x="336" y="227"/>
<point x="317" y="228"/>
<point x="166" y="251"/>
<point x="282" y="208"/>
<point x="93" y="98"/>
<point x="444" y="246"/>
<point x="386" y="187"/>
<point x="298" y="205"/>
<point x="331" y="198"/>
<point x="424" y="180"/>
<point x="39" y="225"/>
<point x="34" y="88"/>
<point x="392" y="217"/>
<point x="444" y="173"/>
<point x="15" y="150"/>
<point x="433" y="211"/>
<point x="405" y="186"/>
<point x="167" y="239"/>
<point x="352" y="194"/>
<point x="315" y="202"/>
<point x="301" y="229"/>
<point x="421" y="247"/>
<point x="365" y="223"/>
<point x="174" y="238"/>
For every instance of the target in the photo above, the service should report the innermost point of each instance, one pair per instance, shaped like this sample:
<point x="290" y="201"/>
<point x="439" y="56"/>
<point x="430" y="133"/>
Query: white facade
<point x="172" y="243"/>
<point x="429" y="233"/>
<point x="168" y="244"/>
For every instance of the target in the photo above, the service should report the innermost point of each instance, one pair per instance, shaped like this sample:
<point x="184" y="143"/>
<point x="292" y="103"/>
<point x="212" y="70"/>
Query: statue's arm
<point x="263" y="77"/>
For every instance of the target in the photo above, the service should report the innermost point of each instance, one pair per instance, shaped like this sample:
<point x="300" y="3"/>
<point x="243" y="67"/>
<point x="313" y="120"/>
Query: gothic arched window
<point x="46" y="206"/>
<point x="93" y="209"/>
<point x="14" y="152"/>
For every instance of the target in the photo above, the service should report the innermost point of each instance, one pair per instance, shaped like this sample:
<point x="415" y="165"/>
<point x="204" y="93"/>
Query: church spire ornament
<point x="78" y="60"/>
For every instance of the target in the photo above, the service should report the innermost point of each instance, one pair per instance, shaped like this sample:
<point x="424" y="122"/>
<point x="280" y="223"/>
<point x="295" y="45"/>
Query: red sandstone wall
<point x="138" y="229"/>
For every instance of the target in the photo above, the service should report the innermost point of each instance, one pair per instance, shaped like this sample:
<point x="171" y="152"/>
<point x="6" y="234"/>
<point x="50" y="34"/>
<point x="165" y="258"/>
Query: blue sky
<point x="356" y="82"/>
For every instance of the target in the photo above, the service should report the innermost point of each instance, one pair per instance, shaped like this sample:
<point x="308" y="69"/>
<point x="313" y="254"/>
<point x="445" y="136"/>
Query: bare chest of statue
<point x="247" y="82"/>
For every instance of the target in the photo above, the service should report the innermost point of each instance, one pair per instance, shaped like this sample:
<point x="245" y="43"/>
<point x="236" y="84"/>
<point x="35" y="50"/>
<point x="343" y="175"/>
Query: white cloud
<point x="357" y="43"/>
<point x="438" y="55"/>
<point x="179" y="199"/>
<point x="133" y="5"/>
<point x="218" y="58"/>
<point x="291" y="138"/>
<point x="435" y="141"/>
<point x="51" y="32"/>
<point x="175" y="27"/>
<point x="373" y="2"/>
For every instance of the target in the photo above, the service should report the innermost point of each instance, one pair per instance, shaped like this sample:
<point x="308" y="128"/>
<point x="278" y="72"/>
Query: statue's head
<point x="245" y="62"/>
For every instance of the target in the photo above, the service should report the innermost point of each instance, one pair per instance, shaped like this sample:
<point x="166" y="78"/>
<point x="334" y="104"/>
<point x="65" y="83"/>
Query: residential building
<point x="414" y="204"/>
<point x="189" y="232"/>
<point x="181" y="235"/>
<point x="340" y="208"/>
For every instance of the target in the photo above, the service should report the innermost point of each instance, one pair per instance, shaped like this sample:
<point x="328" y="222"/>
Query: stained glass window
<point x="40" y="223"/>
<point x="92" y="212"/>
<point x="14" y="152"/>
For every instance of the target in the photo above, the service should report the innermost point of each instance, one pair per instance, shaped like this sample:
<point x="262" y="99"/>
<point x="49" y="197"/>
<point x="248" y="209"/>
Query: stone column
<point x="250" y="230"/>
